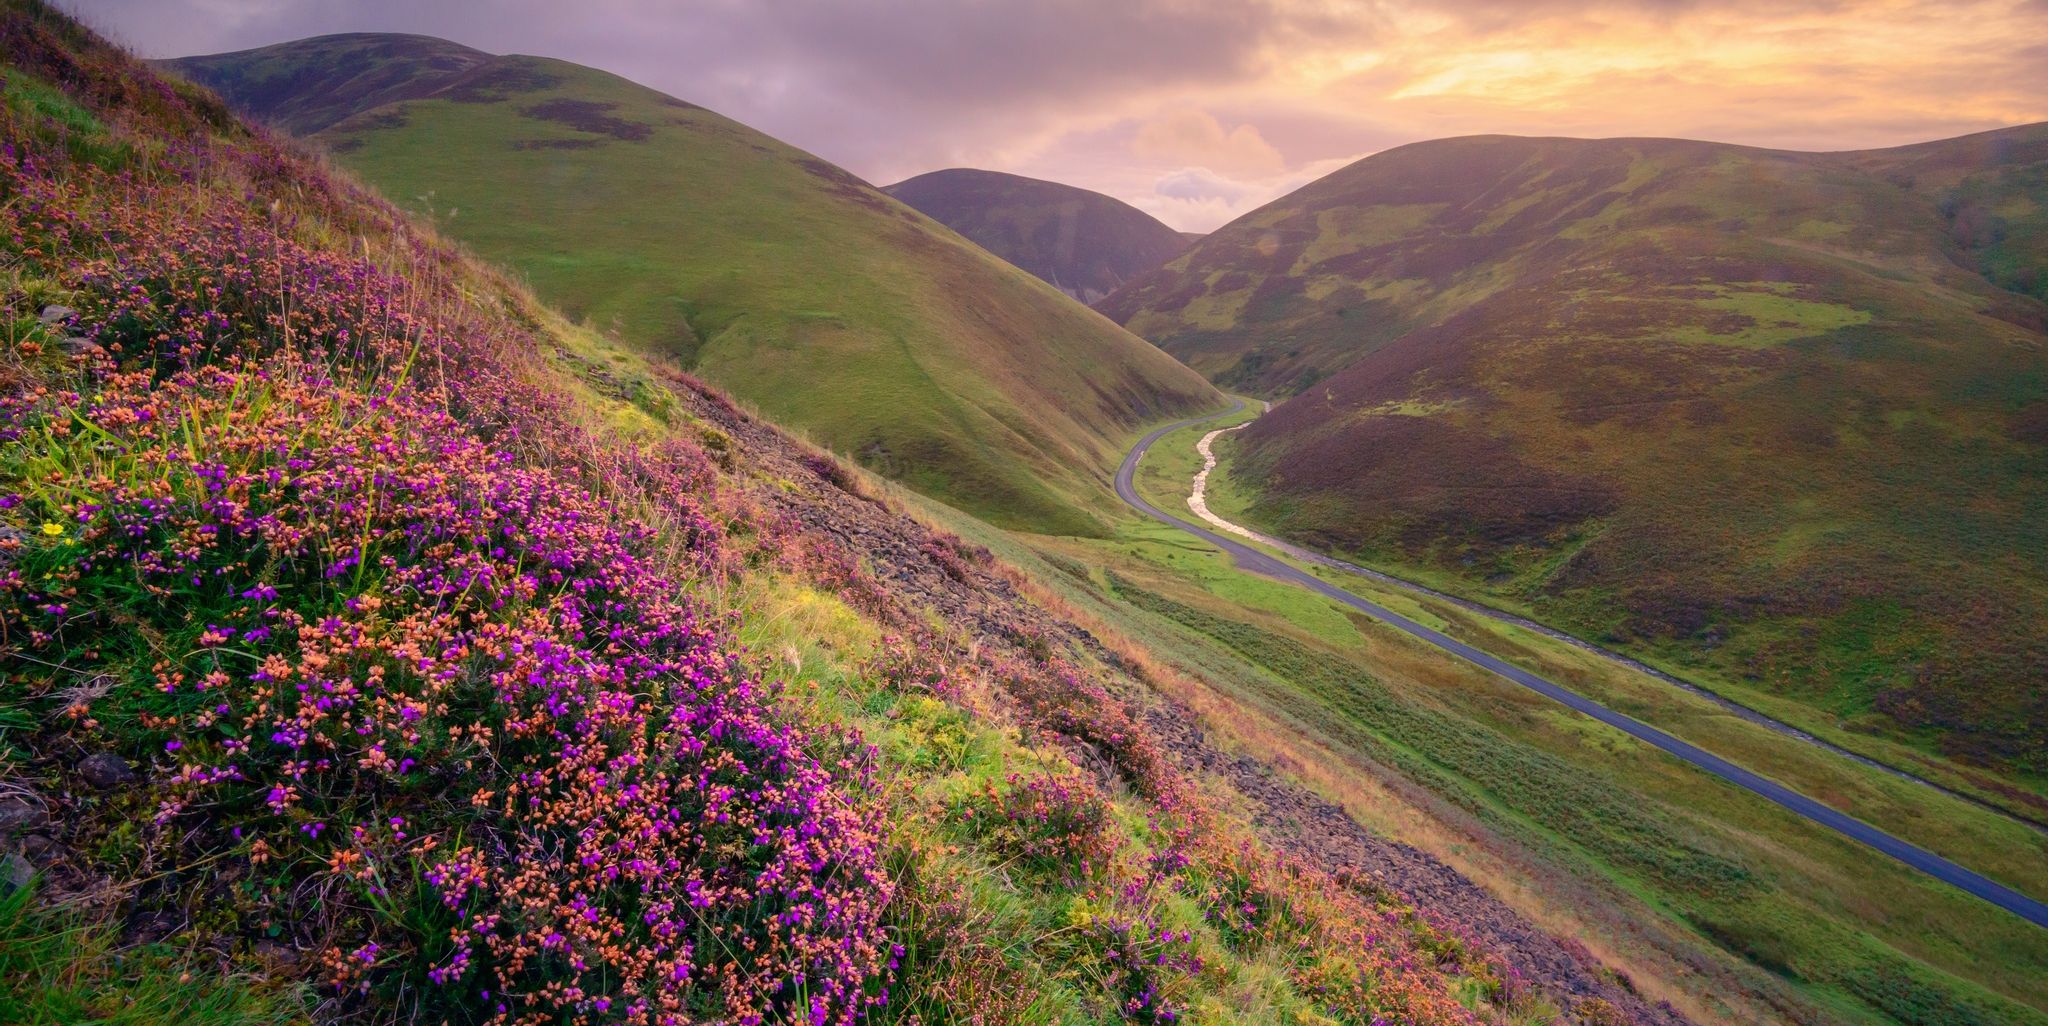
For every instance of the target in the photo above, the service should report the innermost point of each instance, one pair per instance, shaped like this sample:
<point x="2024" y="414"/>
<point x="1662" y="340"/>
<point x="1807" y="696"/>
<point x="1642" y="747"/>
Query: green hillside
<point x="1776" y="419"/>
<point x="1084" y="243"/>
<point x="377" y="647"/>
<point x="768" y="271"/>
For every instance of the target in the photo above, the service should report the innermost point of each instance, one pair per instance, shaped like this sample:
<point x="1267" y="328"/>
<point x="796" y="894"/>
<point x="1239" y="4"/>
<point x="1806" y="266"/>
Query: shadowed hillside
<point x="1084" y="243"/>
<point x="763" y="268"/>
<point x="1775" y="417"/>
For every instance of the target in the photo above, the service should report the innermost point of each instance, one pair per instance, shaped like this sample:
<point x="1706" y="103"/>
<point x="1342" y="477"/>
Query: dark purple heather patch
<point x="588" y="116"/>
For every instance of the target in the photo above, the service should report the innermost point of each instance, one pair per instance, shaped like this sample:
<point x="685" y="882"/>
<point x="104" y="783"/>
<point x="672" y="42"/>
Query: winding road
<point x="1260" y="562"/>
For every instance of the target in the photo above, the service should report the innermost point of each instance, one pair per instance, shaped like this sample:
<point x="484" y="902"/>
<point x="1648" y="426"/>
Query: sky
<point x="1198" y="111"/>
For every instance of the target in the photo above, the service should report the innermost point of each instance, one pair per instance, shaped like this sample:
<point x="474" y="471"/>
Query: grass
<point x="828" y="306"/>
<point x="1714" y="406"/>
<point x="1497" y="782"/>
<point x="1737" y="910"/>
<point x="1989" y="842"/>
<point x="65" y="966"/>
<point x="1773" y="317"/>
<point x="305" y="472"/>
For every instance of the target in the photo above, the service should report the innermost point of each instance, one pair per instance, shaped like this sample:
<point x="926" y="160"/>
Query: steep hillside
<point x="766" y="270"/>
<point x="1084" y="243"/>
<point x="380" y="647"/>
<point x="1777" y="417"/>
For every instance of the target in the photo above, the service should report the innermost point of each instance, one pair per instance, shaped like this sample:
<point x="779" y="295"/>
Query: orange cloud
<point x="1195" y="137"/>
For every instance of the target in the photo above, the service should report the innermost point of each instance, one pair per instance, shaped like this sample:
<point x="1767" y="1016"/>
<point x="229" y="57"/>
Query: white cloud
<point x="1199" y="183"/>
<point x="1198" y="199"/>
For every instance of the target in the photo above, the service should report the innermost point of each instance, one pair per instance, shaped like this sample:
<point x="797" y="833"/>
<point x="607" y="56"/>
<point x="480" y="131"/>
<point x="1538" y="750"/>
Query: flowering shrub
<point x="834" y="472"/>
<point x="916" y="663"/>
<point x="372" y="648"/>
<point x="955" y="557"/>
<point x="1253" y="905"/>
<point x="368" y="611"/>
<point x="1065" y="700"/>
<point x="1051" y="824"/>
<point x="1365" y="972"/>
<point x="1137" y="962"/>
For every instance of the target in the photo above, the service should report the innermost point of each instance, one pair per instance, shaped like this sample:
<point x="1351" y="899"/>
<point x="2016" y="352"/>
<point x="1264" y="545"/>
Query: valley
<point x="806" y="292"/>
<point x="1309" y="717"/>
<point x="484" y="541"/>
<point x="1779" y="449"/>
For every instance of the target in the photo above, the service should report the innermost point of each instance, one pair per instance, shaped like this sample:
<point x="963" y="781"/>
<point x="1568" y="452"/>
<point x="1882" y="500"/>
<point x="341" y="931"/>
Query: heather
<point x="1780" y="440"/>
<point x="459" y="669"/>
<point x="378" y="647"/>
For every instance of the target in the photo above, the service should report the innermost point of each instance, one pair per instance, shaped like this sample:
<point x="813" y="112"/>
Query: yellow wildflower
<point x="52" y="528"/>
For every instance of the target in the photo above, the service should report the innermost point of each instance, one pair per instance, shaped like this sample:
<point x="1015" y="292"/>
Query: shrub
<point x="388" y="651"/>
<point x="1053" y="824"/>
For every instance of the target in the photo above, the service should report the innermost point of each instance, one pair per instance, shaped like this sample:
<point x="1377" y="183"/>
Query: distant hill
<point x="1779" y="416"/>
<point x="1084" y="243"/>
<point x="309" y="84"/>
<point x="770" y="272"/>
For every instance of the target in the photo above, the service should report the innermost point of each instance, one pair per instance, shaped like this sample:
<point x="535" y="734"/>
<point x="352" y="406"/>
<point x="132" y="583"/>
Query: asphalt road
<point x="1259" y="562"/>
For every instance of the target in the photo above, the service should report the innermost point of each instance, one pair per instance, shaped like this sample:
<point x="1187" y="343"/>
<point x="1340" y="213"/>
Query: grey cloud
<point x="862" y="83"/>
<point x="1060" y="88"/>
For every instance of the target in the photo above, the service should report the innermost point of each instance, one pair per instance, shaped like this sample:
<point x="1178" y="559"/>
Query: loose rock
<point x="15" y="873"/>
<point x="106" y="771"/>
<point x="54" y="313"/>
<point x="20" y="815"/>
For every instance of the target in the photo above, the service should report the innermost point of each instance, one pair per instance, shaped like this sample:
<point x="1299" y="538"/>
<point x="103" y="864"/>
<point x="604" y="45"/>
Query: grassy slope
<point x="987" y="936"/>
<point x="1754" y="414"/>
<point x="1026" y="935"/>
<point x="1083" y="242"/>
<point x="1495" y="781"/>
<point x="781" y="277"/>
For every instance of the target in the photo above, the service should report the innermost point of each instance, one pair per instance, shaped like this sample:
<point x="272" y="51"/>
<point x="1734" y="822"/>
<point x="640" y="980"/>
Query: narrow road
<point x="1259" y="562"/>
<point x="1197" y="502"/>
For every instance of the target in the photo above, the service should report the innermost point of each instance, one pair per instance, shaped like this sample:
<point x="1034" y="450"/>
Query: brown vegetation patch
<point x="554" y="144"/>
<point x="846" y="184"/>
<point x="588" y="116"/>
<point x="2030" y="425"/>
<point x="494" y="83"/>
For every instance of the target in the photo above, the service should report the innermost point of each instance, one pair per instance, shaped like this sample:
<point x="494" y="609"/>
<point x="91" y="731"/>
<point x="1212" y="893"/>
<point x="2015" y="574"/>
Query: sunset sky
<point x="1199" y="110"/>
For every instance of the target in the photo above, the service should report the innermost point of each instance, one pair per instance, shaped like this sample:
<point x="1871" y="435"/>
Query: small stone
<point x="55" y="313"/>
<point x="79" y="345"/>
<point x="274" y="953"/>
<point x="105" y="770"/>
<point x="19" y="815"/>
<point x="41" y="849"/>
<point x="15" y="873"/>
